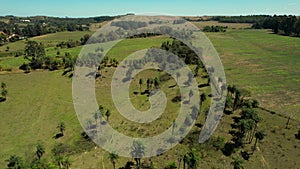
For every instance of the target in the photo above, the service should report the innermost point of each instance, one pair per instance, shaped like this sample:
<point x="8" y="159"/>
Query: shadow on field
<point x="58" y="135"/>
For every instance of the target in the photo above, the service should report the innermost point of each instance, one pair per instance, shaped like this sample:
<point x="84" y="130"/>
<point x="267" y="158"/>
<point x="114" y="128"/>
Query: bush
<point x="171" y="165"/>
<point x="214" y="29"/>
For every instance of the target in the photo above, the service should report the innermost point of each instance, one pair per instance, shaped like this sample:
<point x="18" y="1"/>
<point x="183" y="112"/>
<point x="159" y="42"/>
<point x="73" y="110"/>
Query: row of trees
<point x="35" y="26"/>
<point x="247" y="122"/>
<point x="239" y="19"/>
<point x="285" y="25"/>
<point x="35" y="53"/>
<point x="280" y="24"/>
<point x="73" y="43"/>
<point x="214" y="29"/>
<point x="181" y="50"/>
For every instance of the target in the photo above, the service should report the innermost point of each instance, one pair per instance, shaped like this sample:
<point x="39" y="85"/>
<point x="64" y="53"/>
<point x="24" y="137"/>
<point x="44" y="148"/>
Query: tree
<point x="288" y="122"/>
<point x="84" y="39"/>
<point x="3" y="85"/>
<point x="156" y="82"/>
<point x="89" y="123"/>
<point x="40" y="150"/>
<point x="107" y="114"/>
<point x="177" y="76"/>
<point x="192" y="159"/>
<point x="171" y="165"/>
<point x="61" y="127"/>
<point x="258" y="136"/>
<point x="140" y="83"/>
<point x="113" y="157"/>
<point x="237" y="99"/>
<point x="237" y="163"/>
<point x="202" y="98"/>
<point x="4" y="93"/>
<point x="191" y="93"/>
<point x="66" y="162"/>
<point x="190" y="78"/>
<point x="101" y="112"/>
<point x="4" y="90"/>
<point x="35" y="53"/>
<point x="138" y="151"/>
<point x="245" y="127"/>
<point x="96" y="116"/>
<point x="297" y="27"/>
<point x="298" y="135"/>
<point x="148" y="83"/>
<point x="15" y="162"/>
<point x="174" y="125"/>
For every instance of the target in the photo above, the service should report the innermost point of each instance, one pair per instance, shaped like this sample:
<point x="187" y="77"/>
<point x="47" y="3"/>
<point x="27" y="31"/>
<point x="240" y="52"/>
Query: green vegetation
<point x="214" y="29"/>
<point x="270" y="71"/>
<point x="263" y="94"/>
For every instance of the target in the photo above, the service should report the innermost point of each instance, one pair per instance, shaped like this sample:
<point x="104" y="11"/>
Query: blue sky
<point x="83" y="8"/>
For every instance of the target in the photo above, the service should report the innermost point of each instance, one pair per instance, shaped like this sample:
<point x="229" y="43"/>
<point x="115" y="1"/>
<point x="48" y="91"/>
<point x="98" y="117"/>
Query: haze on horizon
<point x="78" y="8"/>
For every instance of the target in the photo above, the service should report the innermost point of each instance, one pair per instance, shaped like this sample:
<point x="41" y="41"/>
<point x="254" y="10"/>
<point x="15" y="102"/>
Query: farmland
<point x="266" y="64"/>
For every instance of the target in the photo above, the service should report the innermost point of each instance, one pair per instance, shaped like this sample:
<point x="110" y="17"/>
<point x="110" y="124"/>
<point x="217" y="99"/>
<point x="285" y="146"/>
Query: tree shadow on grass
<point x="2" y="99"/>
<point x="58" y="135"/>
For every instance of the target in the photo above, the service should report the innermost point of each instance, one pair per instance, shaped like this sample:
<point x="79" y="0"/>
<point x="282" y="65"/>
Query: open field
<point x="49" y="40"/>
<point x="264" y="63"/>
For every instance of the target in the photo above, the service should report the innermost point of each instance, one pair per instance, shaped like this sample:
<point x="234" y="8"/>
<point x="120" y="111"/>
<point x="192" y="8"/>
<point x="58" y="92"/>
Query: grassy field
<point x="49" y="40"/>
<point x="23" y="124"/>
<point x="264" y="63"/>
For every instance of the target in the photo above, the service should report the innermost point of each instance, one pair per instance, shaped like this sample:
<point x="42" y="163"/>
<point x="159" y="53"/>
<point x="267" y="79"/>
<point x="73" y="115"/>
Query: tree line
<point x="284" y="25"/>
<point x="288" y="25"/>
<point x="24" y="27"/>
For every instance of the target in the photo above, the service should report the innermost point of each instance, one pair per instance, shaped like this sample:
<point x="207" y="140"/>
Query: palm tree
<point x="4" y="93"/>
<point x="89" y="124"/>
<point x="96" y="116"/>
<point x="113" y="157"/>
<point x="138" y="151"/>
<point x="15" y="162"/>
<point x="40" y="150"/>
<point x="140" y="83"/>
<point x="245" y="127"/>
<point x="174" y="125"/>
<point x="191" y="94"/>
<point x="148" y="83"/>
<point x="185" y="160"/>
<point x="156" y="82"/>
<point x="193" y="159"/>
<point x="3" y="85"/>
<point x="260" y="135"/>
<point x="237" y="99"/>
<point x="61" y="127"/>
<point x="179" y="158"/>
<point x="59" y="159"/>
<point x="237" y="163"/>
<point x="202" y="99"/>
<point x="177" y="76"/>
<point x="101" y="112"/>
<point x="66" y="162"/>
<point x="107" y="114"/>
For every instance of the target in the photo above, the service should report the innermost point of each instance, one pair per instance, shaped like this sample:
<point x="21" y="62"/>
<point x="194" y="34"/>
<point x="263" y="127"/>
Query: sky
<point x="86" y="8"/>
